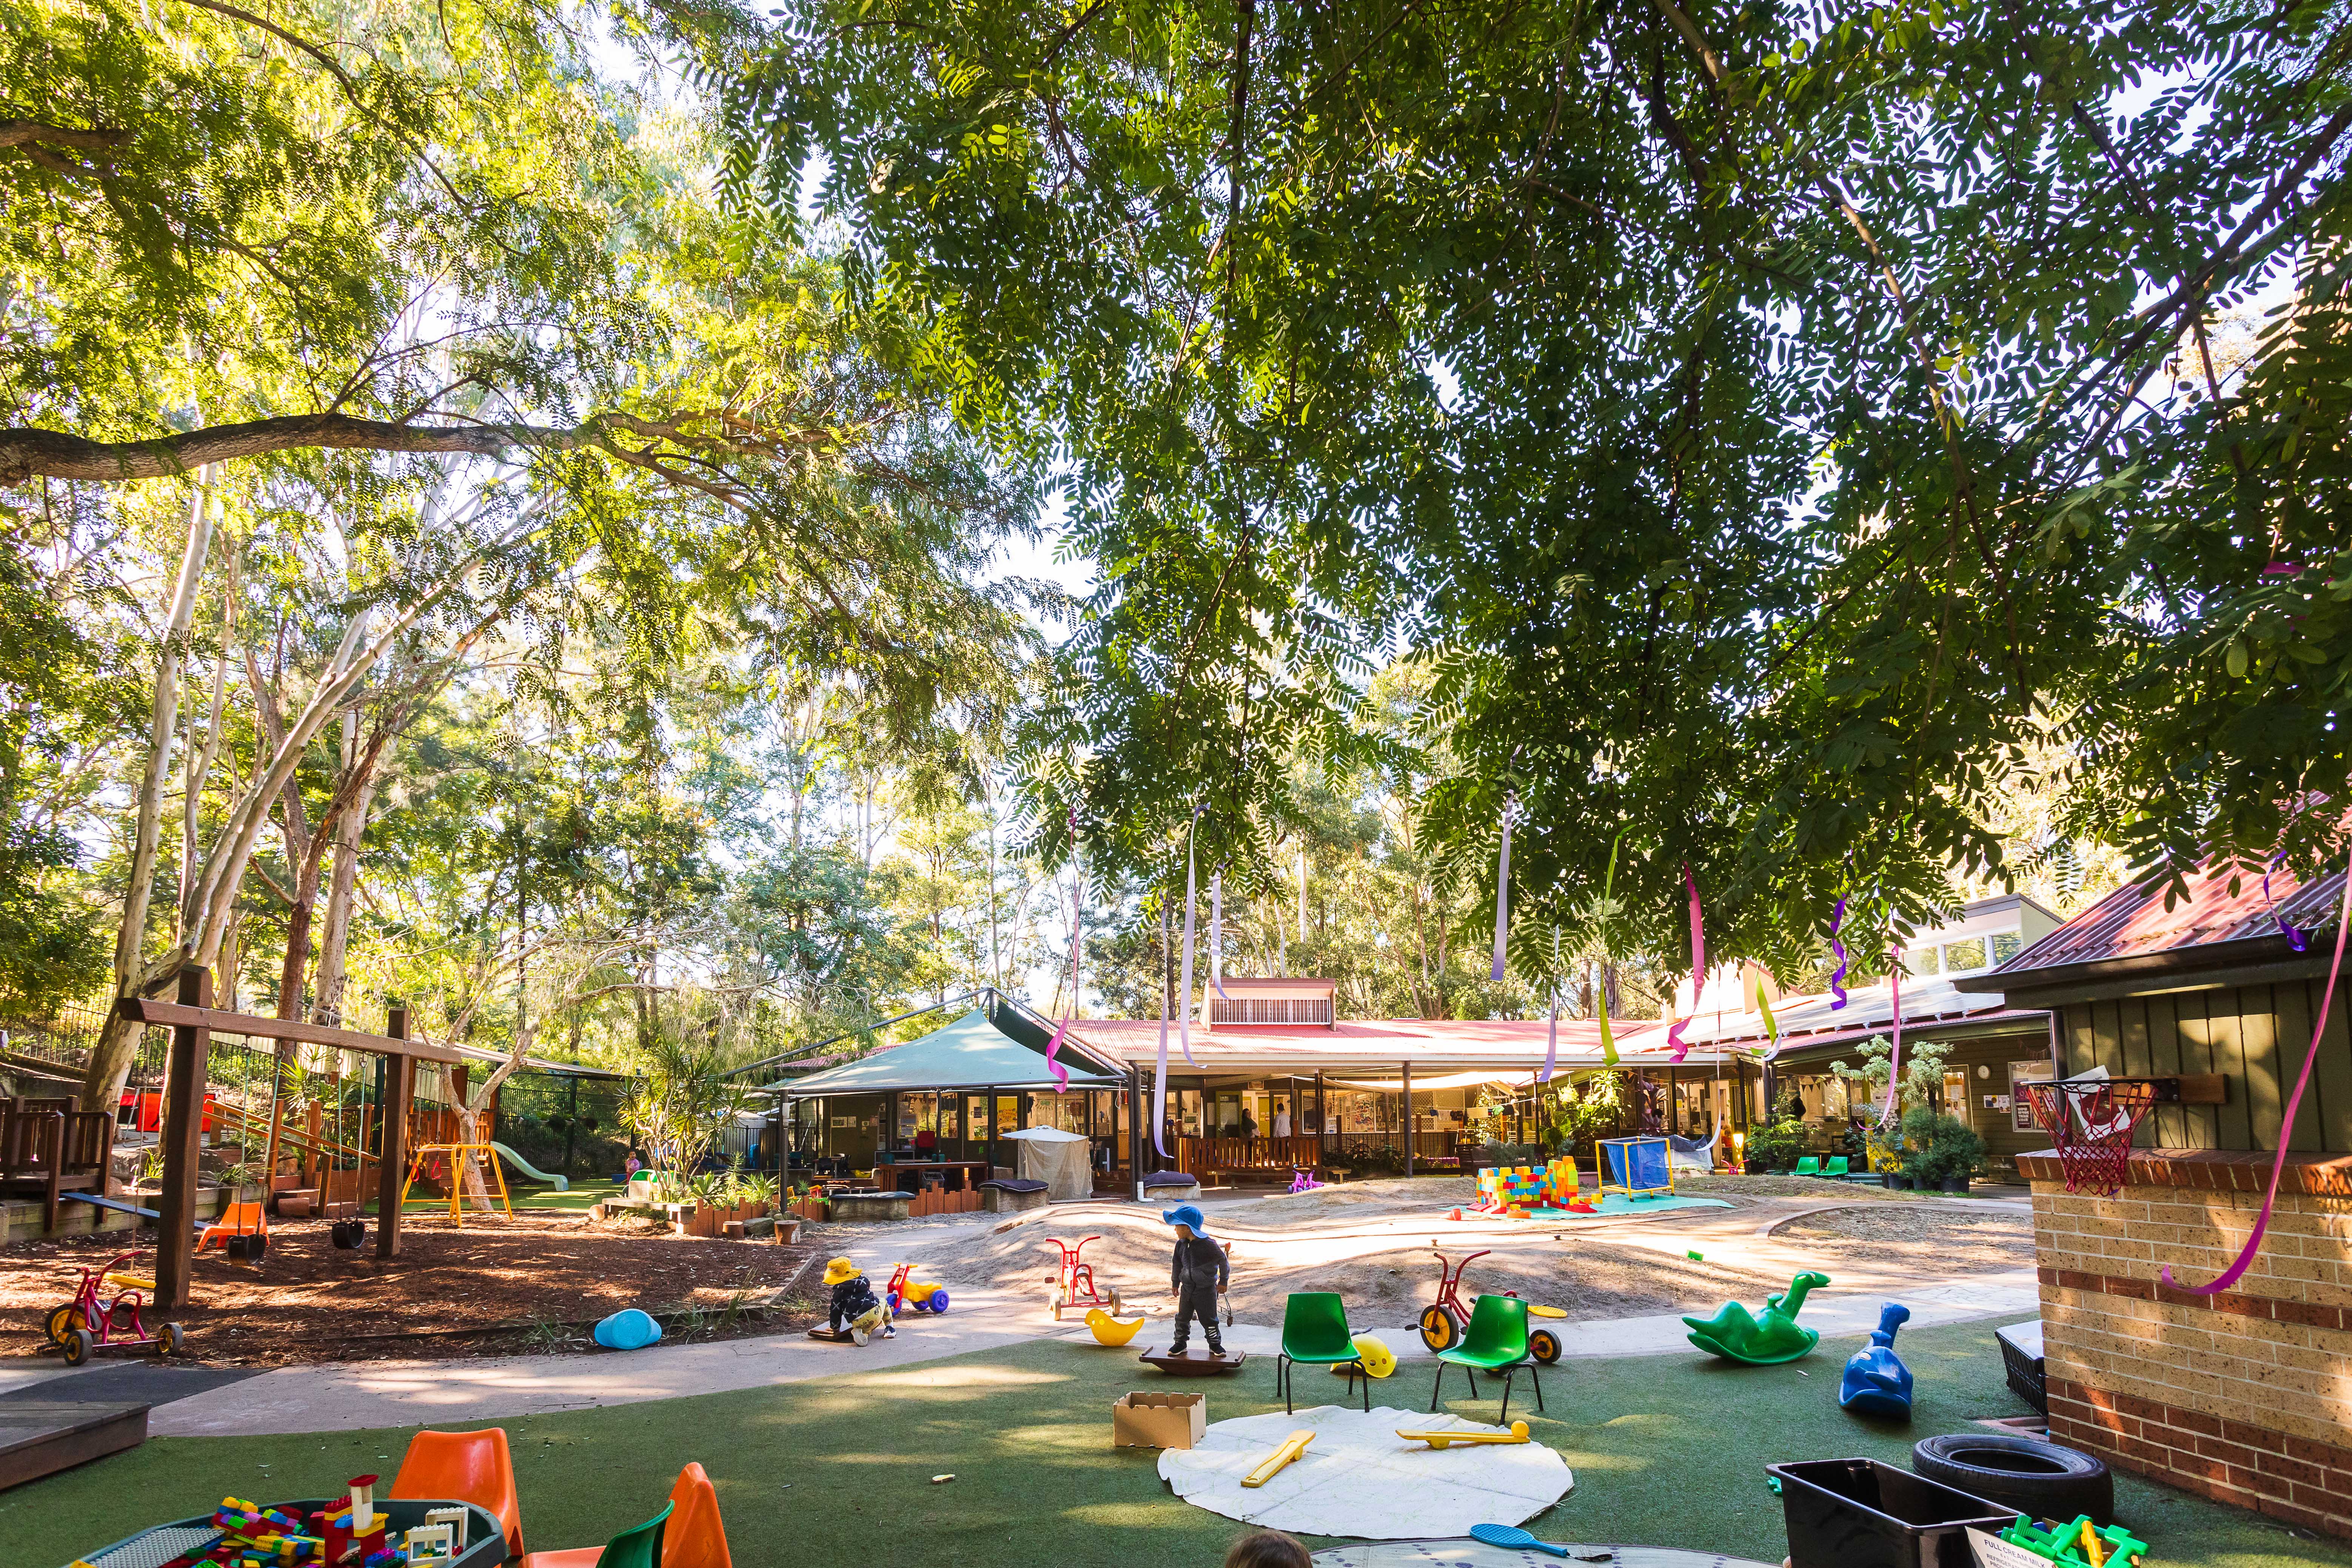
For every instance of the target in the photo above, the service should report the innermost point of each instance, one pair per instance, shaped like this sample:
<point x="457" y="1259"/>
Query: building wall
<point x="1996" y="1126"/>
<point x="2254" y="1035"/>
<point x="2245" y="1397"/>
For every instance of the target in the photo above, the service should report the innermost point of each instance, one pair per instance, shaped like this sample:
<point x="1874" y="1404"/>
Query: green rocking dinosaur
<point x="1732" y="1334"/>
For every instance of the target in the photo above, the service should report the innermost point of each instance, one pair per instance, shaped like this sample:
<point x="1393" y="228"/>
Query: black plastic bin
<point x="1860" y="1513"/>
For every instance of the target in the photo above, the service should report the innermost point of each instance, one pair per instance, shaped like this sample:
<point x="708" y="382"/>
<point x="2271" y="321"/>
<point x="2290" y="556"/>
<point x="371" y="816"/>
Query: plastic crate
<point x="2021" y="1356"/>
<point x="1860" y="1513"/>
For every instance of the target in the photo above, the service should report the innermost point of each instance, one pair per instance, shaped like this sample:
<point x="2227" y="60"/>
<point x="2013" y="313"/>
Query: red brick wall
<point x="2244" y="1397"/>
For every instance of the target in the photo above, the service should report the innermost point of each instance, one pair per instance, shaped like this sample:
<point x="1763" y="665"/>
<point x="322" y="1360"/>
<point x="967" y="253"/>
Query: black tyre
<point x="62" y="1321"/>
<point x="79" y="1346"/>
<point x="2038" y="1478"/>
<point x="1544" y="1345"/>
<point x="170" y="1339"/>
<point x="1438" y="1329"/>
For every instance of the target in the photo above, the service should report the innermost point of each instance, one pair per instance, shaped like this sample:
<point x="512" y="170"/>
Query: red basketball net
<point x="2090" y="1124"/>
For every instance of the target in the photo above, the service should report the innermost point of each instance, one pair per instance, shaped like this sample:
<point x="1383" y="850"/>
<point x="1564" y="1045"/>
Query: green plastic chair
<point x="639" y="1546"/>
<point x="1834" y="1166"/>
<point x="1314" y="1331"/>
<point x="1811" y="1165"/>
<point x="1495" y="1342"/>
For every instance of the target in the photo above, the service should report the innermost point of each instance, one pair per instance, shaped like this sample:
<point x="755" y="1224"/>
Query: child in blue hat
<point x="1197" y="1274"/>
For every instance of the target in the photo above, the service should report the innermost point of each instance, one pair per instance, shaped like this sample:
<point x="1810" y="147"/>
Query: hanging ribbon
<point x="1551" y="1039"/>
<point x="1601" y="998"/>
<point x="1217" y="931"/>
<point x="2295" y="938"/>
<point x="1184" y="985"/>
<point x="1894" y="1061"/>
<point x="1159" y="1074"/>
<point x="2286" y="1126"/>
<point x="1503" y="888"/>
<point x="1698" y="969"/>
<point x="1771" y="1025"/>
<point x="1077" y="931"/>
<point x="1837" y="981"/>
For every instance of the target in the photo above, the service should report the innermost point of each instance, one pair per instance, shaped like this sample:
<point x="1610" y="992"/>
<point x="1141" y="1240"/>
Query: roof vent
<point x="1282" y="1003"/>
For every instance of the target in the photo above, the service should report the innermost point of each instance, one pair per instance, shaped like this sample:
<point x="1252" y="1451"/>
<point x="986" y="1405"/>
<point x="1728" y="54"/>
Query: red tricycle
<point x="1074" y="1282"/>
<point x="1444" y="1322"/>
<point x="86" y="1325"/>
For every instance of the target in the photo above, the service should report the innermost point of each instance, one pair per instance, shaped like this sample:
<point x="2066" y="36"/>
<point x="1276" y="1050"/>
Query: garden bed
<point x="497" y="1287"/>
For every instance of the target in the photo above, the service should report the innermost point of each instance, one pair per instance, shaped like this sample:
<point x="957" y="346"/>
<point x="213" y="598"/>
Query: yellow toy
<point x="1292" y="1446"/>
<point x="1379" y="1361"/>
<point x="1518" y="1434"/>
<point x="1110" y="1331"/>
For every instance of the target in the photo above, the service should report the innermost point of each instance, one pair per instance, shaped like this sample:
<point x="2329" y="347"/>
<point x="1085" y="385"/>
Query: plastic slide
<point x="560" y="1183"/>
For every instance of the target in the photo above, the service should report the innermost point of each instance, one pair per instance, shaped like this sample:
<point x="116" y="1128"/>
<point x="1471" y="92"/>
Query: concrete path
<point x="353" y="1394"/>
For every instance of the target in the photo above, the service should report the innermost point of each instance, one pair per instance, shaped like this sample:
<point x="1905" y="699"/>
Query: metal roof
<point x="2224" y="904"/>
<point x="1362" y="1048"/>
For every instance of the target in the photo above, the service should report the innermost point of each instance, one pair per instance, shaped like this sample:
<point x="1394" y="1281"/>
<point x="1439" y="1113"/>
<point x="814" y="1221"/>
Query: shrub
<point x="1776" y="1147"/>
<point x="1936" y="1146"/>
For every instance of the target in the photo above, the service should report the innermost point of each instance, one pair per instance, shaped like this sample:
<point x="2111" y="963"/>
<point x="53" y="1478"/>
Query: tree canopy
<point x="1772" y="423"/>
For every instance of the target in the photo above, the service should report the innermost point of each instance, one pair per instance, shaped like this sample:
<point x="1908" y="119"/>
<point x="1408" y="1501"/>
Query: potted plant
<point x="1940" y="1150"/>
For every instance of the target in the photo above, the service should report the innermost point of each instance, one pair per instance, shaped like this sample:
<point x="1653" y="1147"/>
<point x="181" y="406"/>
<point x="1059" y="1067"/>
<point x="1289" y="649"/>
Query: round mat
<point x="1358" y="1478"/>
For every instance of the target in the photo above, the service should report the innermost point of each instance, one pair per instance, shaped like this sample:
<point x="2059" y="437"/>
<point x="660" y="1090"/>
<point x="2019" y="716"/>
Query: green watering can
<point x="1763" y="1340"/>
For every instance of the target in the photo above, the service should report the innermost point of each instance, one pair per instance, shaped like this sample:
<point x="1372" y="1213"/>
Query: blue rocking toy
<point x="1876" y="1382"/>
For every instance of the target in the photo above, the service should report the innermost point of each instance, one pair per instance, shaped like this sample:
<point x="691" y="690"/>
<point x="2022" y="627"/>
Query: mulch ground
<point x="499" y="1287"/>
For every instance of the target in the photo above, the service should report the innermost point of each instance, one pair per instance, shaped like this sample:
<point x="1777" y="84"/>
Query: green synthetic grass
<point x="1667" y="1450"/>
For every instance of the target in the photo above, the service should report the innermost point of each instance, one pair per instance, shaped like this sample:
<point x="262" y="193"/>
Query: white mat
<point x="1360" y="1479"/>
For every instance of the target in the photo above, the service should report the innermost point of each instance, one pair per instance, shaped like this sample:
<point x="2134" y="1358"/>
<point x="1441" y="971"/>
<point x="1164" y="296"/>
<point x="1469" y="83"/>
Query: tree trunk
<point x="110" y="1063"/>
<point x="335" y="933"/>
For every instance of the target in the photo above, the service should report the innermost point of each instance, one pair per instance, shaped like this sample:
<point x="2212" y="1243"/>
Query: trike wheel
<point x="1544" y="1345"/>
<point x="938" y="1303"/>
<point x="1114" y="1300"/>
<point x="63" y="1320"/>
<point x="1438" y="1329"/>
<point x="169" y="1339"/>
<point x="79" y="1346"/>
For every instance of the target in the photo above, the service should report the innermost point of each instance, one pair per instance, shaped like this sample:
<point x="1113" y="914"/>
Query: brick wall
<point x="2245" y="1397"/>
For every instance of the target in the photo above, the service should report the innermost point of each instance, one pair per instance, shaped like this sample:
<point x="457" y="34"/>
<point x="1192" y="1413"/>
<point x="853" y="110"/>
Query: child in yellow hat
<point x="856" y="1304"/>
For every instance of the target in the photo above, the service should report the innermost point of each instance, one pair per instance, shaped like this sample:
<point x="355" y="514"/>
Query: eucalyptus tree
<point x="1769" y="418"/>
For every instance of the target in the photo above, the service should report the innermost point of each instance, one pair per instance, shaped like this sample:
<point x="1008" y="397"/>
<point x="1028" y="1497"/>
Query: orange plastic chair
<point x="238" y="1219"/>
<point x="470" y="1466"/>
<point x="696" y="1538"/>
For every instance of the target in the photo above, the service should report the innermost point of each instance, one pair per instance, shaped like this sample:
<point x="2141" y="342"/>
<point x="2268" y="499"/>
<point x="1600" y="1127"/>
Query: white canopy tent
<point x="1057" y="1158"/>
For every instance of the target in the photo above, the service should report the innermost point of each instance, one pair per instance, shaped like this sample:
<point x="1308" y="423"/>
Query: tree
<point x="1765" y="417"/>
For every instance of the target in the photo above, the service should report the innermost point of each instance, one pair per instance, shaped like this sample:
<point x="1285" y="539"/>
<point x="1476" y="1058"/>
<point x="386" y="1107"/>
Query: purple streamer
<point x="1551" y="1040"/>
<point x="1837" y="981"/>
<point x="2295" y="938"/>
<point x="2286" y="1125"/>
<point x="1217" y="931"/>
<point x="1503" y="889"/>
<point x="1159" y="1079"/>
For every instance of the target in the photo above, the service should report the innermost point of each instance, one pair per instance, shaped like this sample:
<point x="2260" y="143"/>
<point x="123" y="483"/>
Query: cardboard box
<point x="1158" y="1420"/>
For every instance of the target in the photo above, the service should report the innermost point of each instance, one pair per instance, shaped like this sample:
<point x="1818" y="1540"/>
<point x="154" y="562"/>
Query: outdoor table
<point x="170" y="1546"/>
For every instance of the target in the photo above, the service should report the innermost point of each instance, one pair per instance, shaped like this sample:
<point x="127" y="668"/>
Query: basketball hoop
<point x="2090" y="1121"/>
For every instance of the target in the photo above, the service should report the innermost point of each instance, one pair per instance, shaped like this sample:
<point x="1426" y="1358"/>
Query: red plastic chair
<point x="470" y="1466"/>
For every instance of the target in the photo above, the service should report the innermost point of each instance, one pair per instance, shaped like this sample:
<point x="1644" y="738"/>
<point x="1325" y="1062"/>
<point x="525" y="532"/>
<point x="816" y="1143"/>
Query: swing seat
<point x="238" y="1219"/>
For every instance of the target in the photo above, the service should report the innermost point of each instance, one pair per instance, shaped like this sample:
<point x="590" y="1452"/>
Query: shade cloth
<point x="1060" y="1160"/>
<point x="970" y="1053"/>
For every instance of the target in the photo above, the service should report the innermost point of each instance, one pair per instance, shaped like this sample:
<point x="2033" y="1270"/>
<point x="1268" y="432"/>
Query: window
<point x="1965" y="956"/>
<point x="1922" y="961"/>
<point x="2006" y="946"/>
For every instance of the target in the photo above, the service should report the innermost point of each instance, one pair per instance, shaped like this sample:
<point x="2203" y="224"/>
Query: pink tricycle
<point x="88" y="1323"/>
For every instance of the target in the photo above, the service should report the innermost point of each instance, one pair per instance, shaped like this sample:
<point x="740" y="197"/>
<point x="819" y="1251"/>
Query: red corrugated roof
<point x="2134" y="920"/>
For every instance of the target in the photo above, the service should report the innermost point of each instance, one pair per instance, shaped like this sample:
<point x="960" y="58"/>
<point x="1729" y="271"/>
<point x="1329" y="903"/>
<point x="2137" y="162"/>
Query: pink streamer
<point x="1159" y="1079"/>
<point x="1837" y="981"/>
<point x="2287" y="1127"/>
<point x="1894" y="1060"/>
<point x="1698" y="969"/>
<point x="1551" y="1040"/>
<point x="1077" y="928"/>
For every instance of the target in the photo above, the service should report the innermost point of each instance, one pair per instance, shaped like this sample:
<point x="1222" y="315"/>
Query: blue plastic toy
<point x="630" y="1330"/>
<point x="1876" y="1382"/>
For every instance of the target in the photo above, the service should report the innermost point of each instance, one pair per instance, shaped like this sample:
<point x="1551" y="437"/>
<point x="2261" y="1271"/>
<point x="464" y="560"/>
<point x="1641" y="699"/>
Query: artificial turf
<point x="1667" y="1450"/>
